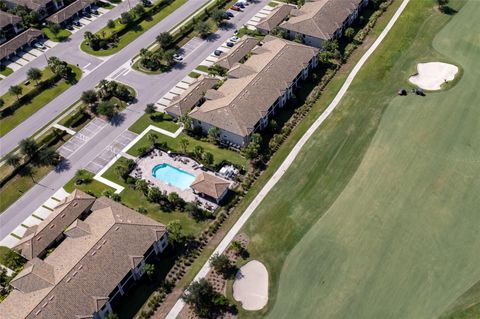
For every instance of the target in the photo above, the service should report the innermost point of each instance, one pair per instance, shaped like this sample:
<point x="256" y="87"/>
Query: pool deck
<point x="146" y="164"/>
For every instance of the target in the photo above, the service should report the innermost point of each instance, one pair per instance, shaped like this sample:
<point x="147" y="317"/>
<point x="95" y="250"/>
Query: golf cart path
<point x="175" y="311"/>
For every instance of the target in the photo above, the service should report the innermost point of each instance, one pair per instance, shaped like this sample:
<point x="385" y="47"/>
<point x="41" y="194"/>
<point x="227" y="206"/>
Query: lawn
<point x="146" y="120"/>
<point x="133" y="33"/>
<point x="219" y="154"/>
<point x="5" y="70"/>
<point x="135" y="199"/>
<point x="94" y="187"/>
<point x="383" y="219"/>
<point x="59" y="37"/>
<point x="36" y="103"/>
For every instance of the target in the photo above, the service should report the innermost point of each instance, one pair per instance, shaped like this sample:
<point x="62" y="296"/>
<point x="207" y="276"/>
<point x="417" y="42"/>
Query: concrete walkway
<point x="290" y="158"/>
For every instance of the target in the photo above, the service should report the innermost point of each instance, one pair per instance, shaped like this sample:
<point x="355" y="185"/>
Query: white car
<point x="39" y="45"/>
<point x="234" y="39"/>
<point x="177" y="57"/>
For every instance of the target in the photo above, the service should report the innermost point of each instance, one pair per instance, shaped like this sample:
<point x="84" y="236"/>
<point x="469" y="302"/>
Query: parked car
<point x="234" y="39"/>
<point x="217" y="52"/>
<point x="87" y="14"/>
<point x="77" y="23"/>
<point x="230" y="44"/>
<point x="229" y="13"/>
<point x="69" y="27"/>
<point x="240" y="5"/>
<point x="38" y="45"/>
<point x="177" y="57"/>
<point x="235" y="8"/>
<point x="95" y="12"/>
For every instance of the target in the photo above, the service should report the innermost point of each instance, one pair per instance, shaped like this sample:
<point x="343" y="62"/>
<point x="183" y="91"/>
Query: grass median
<point x="129" y="33"/>
<point x="9" y="122"/>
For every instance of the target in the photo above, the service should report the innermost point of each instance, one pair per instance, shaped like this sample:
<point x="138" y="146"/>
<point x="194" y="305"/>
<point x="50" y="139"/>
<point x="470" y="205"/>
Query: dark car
<point x="95" y="12"/>
<point x="77" y="23"/>
<point x="230" y="44"/>
<point x="217" y="52"/>
<point x="240" y="5"/>
<point x="230" y="14"/>
<point x="69" y="27"/>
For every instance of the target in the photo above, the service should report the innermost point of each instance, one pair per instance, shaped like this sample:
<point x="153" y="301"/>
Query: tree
<point x="15" y="90"/>
<point x="150" y="108"/>
<point x="106" y="108"/>
<point x="213" y="134"/>
<point x="208" y="158"/>
<point x="121" y="171"/>
<point x="34" y="74"/>
<point x="142" y="186"/>
<point x="149" y="270"/>
<point x="59" y="67"/>
<point x="139" y="9"/>
<point x="12" y="160"/>
<point x="29" y="147"/>
<point x="48" y="156"/>
<point x="111" y="315"/>
<point x="126" y="18"/>
<point x="253" y="148"/>
<point x="298" y="38"/>
<point x="110" y="24"/>
<point x="204" y="300"/>
<point x="221" y="264"/>
<point x="54" y="28"/>
<point x="165" y="39"/>
<point x="273" y="125"/>
<point x="330" y="51"/>
<point x="203" y="28"/>
<point x="168" y="57"/>
<point x="198" y="151"/>
<point x="2" y="102"/>
<point x="175" y="232"/>
<point x="218" y="15"/>
<point x="350" y="33"/>
<point x="187" y="122"/>
<point x="184" y="144"/>
<point x="155" y="195"/>
<point x="89" y="97"/>
<point x="152" y="138"/>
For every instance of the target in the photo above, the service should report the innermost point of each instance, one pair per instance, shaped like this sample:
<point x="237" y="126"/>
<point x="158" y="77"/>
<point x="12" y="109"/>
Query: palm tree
<point x="152" y="138"/>
<point x="15" y="90"/>
<point x="184" y="144"/>
<point x="103" y="86"/>
<point x="149" y="270"/>
<point x="12" y="159"/>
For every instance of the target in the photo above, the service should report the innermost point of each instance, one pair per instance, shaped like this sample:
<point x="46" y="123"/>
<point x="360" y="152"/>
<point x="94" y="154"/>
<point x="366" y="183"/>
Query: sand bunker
<point x="432" y="75"/>
<point x="251" y="286"/>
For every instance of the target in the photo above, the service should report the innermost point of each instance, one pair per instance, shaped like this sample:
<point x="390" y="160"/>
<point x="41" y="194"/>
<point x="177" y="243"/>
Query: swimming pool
<point x="172" y="175"/>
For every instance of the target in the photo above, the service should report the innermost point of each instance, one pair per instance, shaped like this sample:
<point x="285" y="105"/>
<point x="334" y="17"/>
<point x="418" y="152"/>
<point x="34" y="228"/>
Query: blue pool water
<point x="172" y="175"/>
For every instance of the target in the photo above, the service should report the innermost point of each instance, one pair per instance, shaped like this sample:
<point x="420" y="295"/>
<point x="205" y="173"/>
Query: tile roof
<point x="253" y="87"/>
<point x="34" y="5"/>
<point x="182" y="104"/>
<point x="320" y="18"/>
<point x="210" y="185"/>
<point x="239" y="50"/>
<point x="8" y="18"/>
<point x="75" y="280"/>
<point x="69" y="11"/>
<point x="20" y="40"/>
<point x="39" y="237"/>
<point x="276" y="16"/>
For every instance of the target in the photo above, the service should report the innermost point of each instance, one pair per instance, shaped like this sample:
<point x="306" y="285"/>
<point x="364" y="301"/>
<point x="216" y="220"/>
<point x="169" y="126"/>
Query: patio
<point x="145" y="167"/>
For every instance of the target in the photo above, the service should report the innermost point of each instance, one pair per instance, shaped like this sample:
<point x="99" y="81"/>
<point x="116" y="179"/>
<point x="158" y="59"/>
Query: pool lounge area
<point x="175" y="173"/>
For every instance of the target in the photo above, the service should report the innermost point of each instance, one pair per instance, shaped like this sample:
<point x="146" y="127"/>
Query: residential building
<point x="322" y="20"/>
<point x="238" y="52"/>
<point x="42" y="7"/>
<point x="10" y="25"/>
<point x="255" y="89"/>
<point x="211" y="186"/>
<point x="191" y="97"/>
<point x="10" y="48"/>
<point x="71" y="11"/>
<point x="274" y="18"/>
<point x="100" y="258"/>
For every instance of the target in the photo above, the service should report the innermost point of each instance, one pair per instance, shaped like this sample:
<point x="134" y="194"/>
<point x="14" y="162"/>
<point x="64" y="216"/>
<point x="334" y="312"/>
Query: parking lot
<point x="81" y="137"/>
<point x="108" y="153"/>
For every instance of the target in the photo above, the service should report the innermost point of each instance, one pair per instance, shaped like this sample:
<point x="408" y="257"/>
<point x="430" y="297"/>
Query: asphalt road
<point x="97" y="68"/>
<point x="149" y="88"/>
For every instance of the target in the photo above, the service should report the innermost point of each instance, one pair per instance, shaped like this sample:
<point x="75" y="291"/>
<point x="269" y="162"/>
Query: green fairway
<point x="383" y="219"/>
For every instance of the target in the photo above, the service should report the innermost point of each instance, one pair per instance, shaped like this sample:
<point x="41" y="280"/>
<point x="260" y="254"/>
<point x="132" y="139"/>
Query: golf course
<point x="379" y="215"/>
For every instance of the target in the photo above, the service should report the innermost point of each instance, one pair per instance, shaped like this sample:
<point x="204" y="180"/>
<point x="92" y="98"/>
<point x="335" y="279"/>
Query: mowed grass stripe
<point x="399" y="178"/>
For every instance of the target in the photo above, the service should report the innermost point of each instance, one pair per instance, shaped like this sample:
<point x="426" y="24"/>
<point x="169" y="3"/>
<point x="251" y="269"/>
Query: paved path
<point x="149" y="90"/>
<point x="290" y="158"/>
